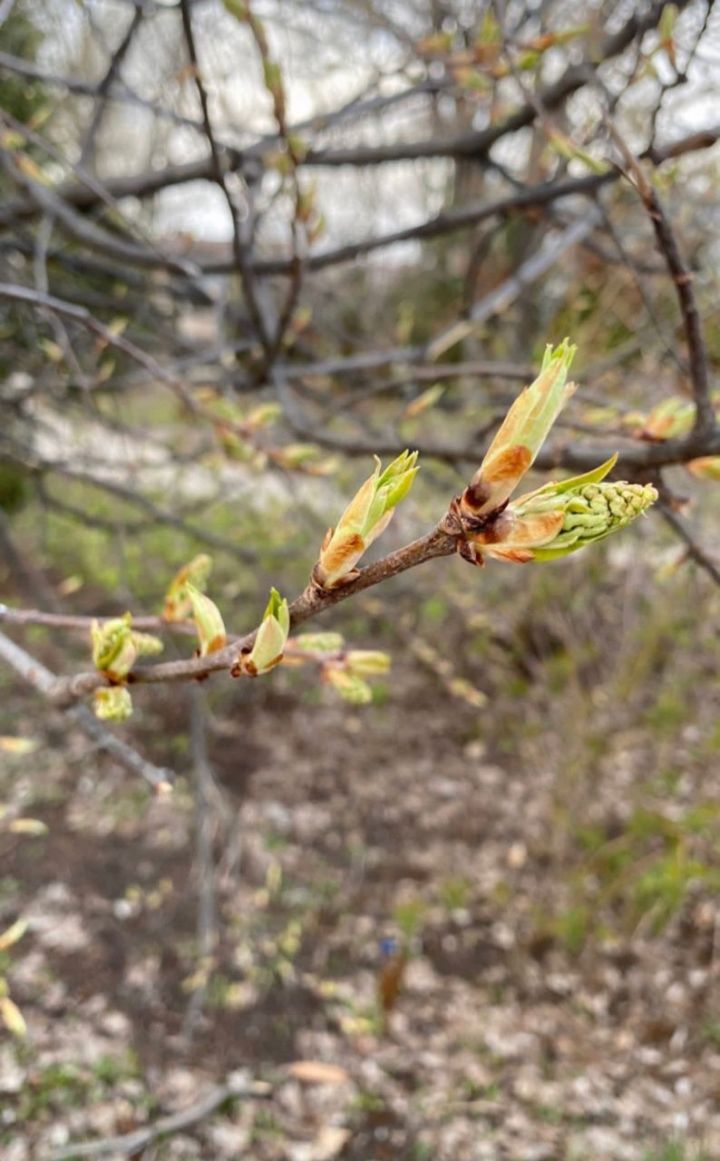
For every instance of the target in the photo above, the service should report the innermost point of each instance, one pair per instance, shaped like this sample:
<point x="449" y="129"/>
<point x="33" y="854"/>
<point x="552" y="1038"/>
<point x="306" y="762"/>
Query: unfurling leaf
<point x="521" y="435"/>
<point x="13" y="934"/>
<point x="366" y="662"/>
<point x="262" y="416"/>
<point x="177" y="602"/>
<point x="424" y="401"/>
<point x="365" y="518"/>
<point x="112" y="703"/>
<point x="319" y="642"/>
<point x="113" y="649"/>
<point x="706" y="467"/>
<point x="116" y="646"/>
<point x="31" y="826"/>
<point x="350" y="687"/>
<point x="208" y="621"/>
<point x="147" y="645"/>
<point x="267" y="651"/>
<point x="17" y="745"/>
<point x="12" y="1017"/>
<point x="672" y="418"/>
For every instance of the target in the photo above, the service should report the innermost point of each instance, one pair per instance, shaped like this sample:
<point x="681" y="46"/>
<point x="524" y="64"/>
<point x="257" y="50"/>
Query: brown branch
<point x="682" y="279"/>
<point x="240" y="248"/>
<point x="475" y="145"/>
<point x="448" y="222"/>
<point x="683" y="282"/>
<point x="441" y="541"/>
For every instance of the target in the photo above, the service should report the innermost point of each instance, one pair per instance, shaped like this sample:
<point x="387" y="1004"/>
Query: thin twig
<point x="310" y="603"/>
<point x="137" y="1141"/>
<point x="42" y="680"/>
<point x="76" y="621"/>
<point x="207" y="930"/>
<point x="683" y="281"/>
<point x="693" y="549"/>
<point x="241" y="251"/>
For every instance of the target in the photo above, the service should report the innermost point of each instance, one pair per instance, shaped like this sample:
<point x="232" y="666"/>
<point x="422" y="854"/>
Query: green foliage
<point x="647" y="870"/>
<point x="410" y="917"/>
<point x="21" y="96"/>
<point x="677" y="1151"/>
<point x="57" y="1087"/>
<point x="454" y="893"/>
<point x="14" y="488"/>
<point x="571" y="927"/>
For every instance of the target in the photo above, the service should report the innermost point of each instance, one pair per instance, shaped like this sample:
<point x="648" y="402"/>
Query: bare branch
<point x="41" y="679"/>
<point x="131" y="1144"/>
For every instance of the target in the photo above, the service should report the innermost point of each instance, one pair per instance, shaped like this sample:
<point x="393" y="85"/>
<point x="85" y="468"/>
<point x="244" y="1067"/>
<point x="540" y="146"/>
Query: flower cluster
<point x="558" y="518"/>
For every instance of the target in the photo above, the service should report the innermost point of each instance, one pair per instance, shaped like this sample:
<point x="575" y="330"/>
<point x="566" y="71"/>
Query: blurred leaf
<point x="12" y="1017"/>
<point x="13" y="934"/>
<point x="17" y="745"/>
<point x="318" y="1072"/>
<point x="424" y="401"/>
<point x="31" y="826"/>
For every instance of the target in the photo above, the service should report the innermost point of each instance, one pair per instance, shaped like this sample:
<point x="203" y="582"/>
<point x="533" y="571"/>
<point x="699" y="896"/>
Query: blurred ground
<point x="551" y="861"/>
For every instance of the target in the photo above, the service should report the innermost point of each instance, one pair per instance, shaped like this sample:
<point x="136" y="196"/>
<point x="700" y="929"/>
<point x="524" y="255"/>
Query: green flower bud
<point x="594" y="512"/>
<point x="521" y="435"/>
<point x="267" y="651"/>
<point x="112" y="704"/>
<point x="365" y="518"/>
<point x="208" y="621"/>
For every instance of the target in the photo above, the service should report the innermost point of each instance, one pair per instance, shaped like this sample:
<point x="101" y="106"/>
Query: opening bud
<point x="177" y="602"/>
<point x="113" y="648"/>
<point x="365" y="518"/>
<point x="521" y="435"/>
<point x="112" y="704"/>
<point x="267" y="652"/>
<point x="208" y="621"/>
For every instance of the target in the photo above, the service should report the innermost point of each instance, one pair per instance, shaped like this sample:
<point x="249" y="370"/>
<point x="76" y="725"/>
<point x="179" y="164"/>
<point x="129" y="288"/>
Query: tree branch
<point x="41" y="679"/>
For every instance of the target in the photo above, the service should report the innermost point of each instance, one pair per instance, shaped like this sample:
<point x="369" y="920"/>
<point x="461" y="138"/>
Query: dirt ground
<point x="333" y="828"/>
